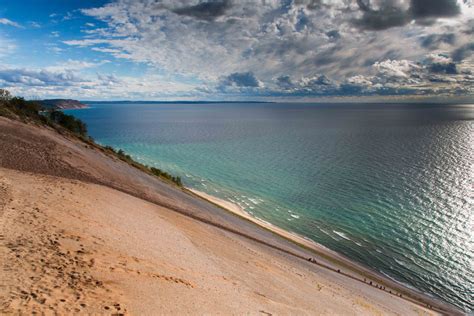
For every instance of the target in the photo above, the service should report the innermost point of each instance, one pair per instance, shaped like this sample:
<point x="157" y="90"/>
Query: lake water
<point x="390" y="186"/>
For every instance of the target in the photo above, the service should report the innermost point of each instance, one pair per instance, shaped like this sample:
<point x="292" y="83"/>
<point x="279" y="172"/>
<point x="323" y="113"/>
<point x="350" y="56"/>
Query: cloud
<point x="37" y="77"/>
<point x="272" y="38"/>
<point x="383" y="14"/>
<point x="241" y="79"/>
<point x="434" y="9"/>
<point x="333" y="34"/>
<point x="205" y="10"/>
<point x="397" y="69"/>
<point x="285" y="82"/>
<point x="9" y="22"/>
<point x="436" y="74"/>
<point x="74" y="65"/>
<point x="387" y="15"/>
<point x="316" y="81"/>
<point x="463" y="52"/>
<point x="359" y="81"/>
<point x="34" y="24"/>
<point x="7" y="46"/>
<point x="440" y="64"/>
<point x="312" y="85"/>
<point x="433" y="41"/>
<point x="55" y="49"/>
<point x="277" y="47"/>
<point x="45" y="83"/>
<point x="109" y="79"/>
<point x="449" y="68"/>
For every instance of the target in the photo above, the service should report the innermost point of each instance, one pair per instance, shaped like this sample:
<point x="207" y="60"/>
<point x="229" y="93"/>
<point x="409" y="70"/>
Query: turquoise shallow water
<point x="390" y="186"/>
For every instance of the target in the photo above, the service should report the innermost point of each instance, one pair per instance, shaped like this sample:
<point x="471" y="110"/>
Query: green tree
<point x="5" y="95"/>
<point x="69" y="122"/>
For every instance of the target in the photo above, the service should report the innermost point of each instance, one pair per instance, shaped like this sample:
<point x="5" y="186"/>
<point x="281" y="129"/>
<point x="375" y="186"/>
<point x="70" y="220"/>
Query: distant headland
<point x="62" y="104"/>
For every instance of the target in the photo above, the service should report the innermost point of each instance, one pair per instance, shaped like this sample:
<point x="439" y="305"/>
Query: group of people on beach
<point x="381" y="287"/>
<point x="377" y="286"/>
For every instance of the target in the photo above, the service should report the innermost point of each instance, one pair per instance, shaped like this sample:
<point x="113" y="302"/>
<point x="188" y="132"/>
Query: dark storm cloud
<point x="385" y="17"/>
<point x="241" y="79"/>
<point x="206" y="10"/>
<point x="390" y="14"/>
<point x="444" y="68"/>
<point x="432" y="41"/>
<point x="463" y="52"/>
<point x="434" y="8"/>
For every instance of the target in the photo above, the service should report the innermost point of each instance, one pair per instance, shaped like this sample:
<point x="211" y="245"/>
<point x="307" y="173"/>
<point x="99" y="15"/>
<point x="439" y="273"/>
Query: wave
<point x="341" y="234"/>
<point x="254" y="201"/>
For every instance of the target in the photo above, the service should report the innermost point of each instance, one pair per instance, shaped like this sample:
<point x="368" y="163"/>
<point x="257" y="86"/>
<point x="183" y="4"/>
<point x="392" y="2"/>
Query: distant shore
<point x="63" y="104"/>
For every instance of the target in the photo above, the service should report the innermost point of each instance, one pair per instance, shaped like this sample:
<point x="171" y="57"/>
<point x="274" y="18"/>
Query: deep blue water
<point x="390" y="186"/>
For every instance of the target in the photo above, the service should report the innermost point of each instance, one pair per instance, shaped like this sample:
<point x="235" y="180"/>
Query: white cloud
<point x="55" y="49"/>
<point x="66" y="80"/>
<point x="395" y="68"/>
<point x="34" y="24"/>
<point x="7" y="46"/>
<point x="41" y="77"/>
<point x="75" y="65"/>
<point x="5" y="21"/>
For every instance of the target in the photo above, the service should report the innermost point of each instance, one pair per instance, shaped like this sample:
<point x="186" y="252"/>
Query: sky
<point x="237" y="49"/>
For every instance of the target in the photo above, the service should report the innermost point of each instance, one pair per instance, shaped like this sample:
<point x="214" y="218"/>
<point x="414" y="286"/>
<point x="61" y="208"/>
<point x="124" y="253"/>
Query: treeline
<point x="159" y="173"/>
<point x="155" y="171"/>
<point x="12" y="107"/>
<point x="19" y="108"/>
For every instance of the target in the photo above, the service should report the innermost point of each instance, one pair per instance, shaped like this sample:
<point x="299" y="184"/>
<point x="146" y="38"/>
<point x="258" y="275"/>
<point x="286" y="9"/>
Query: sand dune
<point x="82" y="232"/>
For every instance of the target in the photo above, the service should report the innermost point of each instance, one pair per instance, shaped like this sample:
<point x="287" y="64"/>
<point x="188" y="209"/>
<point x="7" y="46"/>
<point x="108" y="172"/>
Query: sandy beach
<point x="83" y="232"/>
<point x="325" y="257"/>
<point x="239" y="211"/>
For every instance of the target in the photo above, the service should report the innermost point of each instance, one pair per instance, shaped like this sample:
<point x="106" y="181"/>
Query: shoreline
<point x="333" y="260"/>
<point x="239" y="211"/>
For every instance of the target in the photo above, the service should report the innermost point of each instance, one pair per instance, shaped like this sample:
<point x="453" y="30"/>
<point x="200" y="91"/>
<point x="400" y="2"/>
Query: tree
<point x="69" y="122"/>
<point x="5" y="95"/>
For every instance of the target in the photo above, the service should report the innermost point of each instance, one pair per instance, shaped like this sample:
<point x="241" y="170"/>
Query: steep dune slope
<point x="85" y="232"/>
